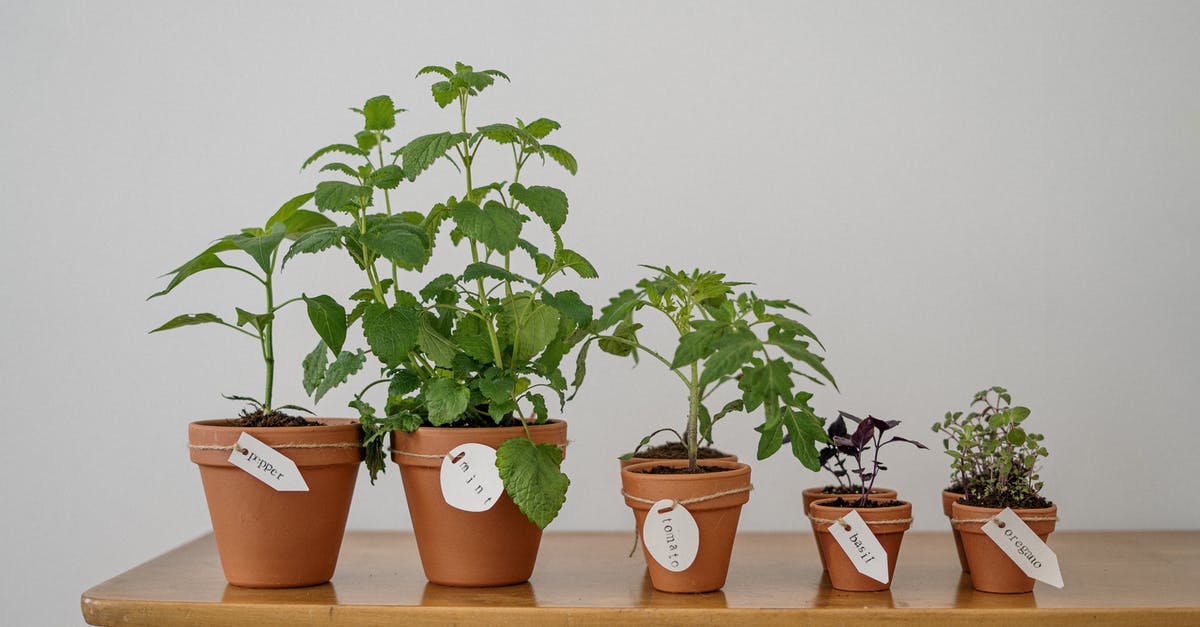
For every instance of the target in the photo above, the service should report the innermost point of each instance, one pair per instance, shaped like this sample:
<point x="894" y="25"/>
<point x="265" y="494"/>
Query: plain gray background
<point x="963" y="194"/>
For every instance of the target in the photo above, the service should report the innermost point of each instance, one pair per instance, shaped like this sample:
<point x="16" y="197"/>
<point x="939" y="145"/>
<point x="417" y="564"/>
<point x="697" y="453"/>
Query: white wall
<point x="963" y="194"/>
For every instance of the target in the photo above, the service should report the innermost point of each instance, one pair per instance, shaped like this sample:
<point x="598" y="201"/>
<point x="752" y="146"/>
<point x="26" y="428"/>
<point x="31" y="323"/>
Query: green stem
<point x="482" y="294"/>
<point x="693" y="427"/>
<point x="388" y="202"/>
<point x="268" y="342"/>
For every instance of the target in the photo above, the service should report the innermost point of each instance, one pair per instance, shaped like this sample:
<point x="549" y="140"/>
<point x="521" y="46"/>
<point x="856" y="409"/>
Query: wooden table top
<point x="585" y="578"/>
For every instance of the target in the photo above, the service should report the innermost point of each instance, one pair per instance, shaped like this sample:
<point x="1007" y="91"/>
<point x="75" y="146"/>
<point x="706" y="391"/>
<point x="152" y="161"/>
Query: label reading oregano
<point x="1024" y="547"/>
<point x="470" y="480"/>
<point x="671" y="535"/>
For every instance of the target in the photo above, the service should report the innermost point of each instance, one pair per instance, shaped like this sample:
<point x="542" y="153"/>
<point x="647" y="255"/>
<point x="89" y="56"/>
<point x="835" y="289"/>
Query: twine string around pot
<point x="396" y="451"/>
<point x="685" y="502"/>
<point x="1000" y="523"/>
<point x="235" y="447"/>
<point x="869" y="523"/>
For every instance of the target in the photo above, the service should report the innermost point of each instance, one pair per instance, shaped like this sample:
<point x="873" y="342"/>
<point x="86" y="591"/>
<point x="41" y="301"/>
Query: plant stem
<point x="269" y="341"/>
<point x="693" y="444"/>
<point x="388" y="202"/>
<point x="467" y="158"/>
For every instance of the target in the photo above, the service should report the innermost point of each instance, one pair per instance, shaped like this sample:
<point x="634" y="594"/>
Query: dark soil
<point x="840" y="502"/>
<point x="842" y="489"/>
<point x="955" y="487"/>
<point x="271" y="419"/>
<point x="997" y="502"/>
<point x="670" y="470"/>
<point x="484" y="421"/>
<point x="676" y="450"/>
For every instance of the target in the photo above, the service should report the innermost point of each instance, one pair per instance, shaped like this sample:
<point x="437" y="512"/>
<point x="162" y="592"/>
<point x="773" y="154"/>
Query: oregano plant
<point x="724" y="337"/>
<point x="995" y="459"/>
<point x="481" y="346"/>
<point x="261" y="245"/>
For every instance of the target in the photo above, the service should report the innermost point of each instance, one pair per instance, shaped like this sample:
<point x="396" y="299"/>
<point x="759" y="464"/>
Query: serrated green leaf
<point x="435" y="69"/>
<point x="438" y="285"/>
<point x="568" y="259"/>
<point x="392" y="333"/>
<point x="482" y="269"/>
<point x="694" y="346"/>
<point x="339" y="371"/>
<point x="496" y="226"/>
<point x="445" y="400"/>
<point x="539" y="407"/>
<point x="533" y="478"/>
<point x="328" y="320"/>
<point x="380" y="113"/>
<point x="550" y="204"/>
<point x="434" y="344"/>
<point x="507" y="134"/>
<point x="394" y="239"/>
<point x="314" y="365"/>
<point x="343" y="148"/>
<point x="315" y="241"/>
<point x="731" y="352"/>
<point x="542" y="127"/>
<point x="187" y="320"/>
<point x="568" y="303"/>
<point x="338" y="166"/>
<point x="421" y="153"/>
<point x="527" y="325"/>
<point x="335" y="195"/>
<point x="387" y="177"/>
<point x="618" y="308"/>
<point x="443" y="93"/>
<point x="261" y="248"/>
<point x="562" y="157"/>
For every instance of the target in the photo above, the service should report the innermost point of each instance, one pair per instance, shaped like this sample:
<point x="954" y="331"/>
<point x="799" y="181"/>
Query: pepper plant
<point x="724" y="337"/>
<point x="480" y="346"/>
<point x="995" y="459"/>
<point x="868" y="436"/>
<point x="261" y="245"/>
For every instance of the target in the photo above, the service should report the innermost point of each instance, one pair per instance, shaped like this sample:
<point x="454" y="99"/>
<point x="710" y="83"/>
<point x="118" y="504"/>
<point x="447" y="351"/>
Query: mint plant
<point x="868" y="436"/>
<point x="724" y="337"/>
<point x="995" y="460"/>
<point x="479" y="347"/>
<point x="261" y="245"/>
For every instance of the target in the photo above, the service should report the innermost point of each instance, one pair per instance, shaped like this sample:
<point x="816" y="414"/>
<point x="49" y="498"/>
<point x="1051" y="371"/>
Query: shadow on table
<point x="968" y="596"/>
<point x="828" y="596"/>
<point x="324" y="594"/>
<point x="436" y="595"/>
<point x="649" y="597"/>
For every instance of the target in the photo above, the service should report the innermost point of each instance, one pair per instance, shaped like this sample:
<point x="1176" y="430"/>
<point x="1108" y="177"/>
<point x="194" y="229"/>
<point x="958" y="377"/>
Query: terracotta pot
<point x="991" y="569"/>
<point x="842" y="573"/>
<point x="625" y="463"/>
<point x="270" y="539"/>
<point x="497" y="547"/>
<point x="948" y="498"/>
<point x="716" y="519"/>
<point x="818" y="493"/>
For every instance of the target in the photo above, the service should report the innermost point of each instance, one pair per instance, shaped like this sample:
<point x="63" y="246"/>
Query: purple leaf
<point x="855" y="419"/>
<point x="838" y="427"/>
<point x="862" y="435"/>
<point x="897" y="438"/>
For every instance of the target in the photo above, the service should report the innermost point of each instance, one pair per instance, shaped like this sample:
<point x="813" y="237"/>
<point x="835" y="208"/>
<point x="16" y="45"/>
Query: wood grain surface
<point x="1119" y="578"/>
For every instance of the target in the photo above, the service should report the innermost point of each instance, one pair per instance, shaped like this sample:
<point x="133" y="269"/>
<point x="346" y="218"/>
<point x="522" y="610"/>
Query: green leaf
<point x="365" y="140"/>
<point x="562" y="157"/>
<point x="804" y="431"/>
<point x="303" y="221"/>
<point x="391" y="333"/>
<point x="770" y="440"/>
<point x="314" y="368"/>
<point x="334" y="195"/>
<point x="527" y="325"/>
<point x="346" y="364"/>
<point x="542" y="127"/>
<point x="568" y="259"/>
<point x="204" y="261"/>
<point x="420" y="153"/>
<point x="343" y="148"/>
<point x="435" y="69"/>
<point x="482" y="269"/>
<point x="443" y="93"/>
<point x="258" y="321"/>
<point x="261" y="248"/>
<point x="187" y="320"/>
<point x="533" y="478"/>
<point x="328" y="319"/>
<point x="798" y="350"/>
<point x="438" y="285"/>
<point x="539" y="407"/>
<point x="568" y="303"/>
<point x="380" y="113"/>
<point x="618" y="308"/>
<point x="695" y="345"/>
<point x="434" y="344"/>
<point x="626" y="330"/>
<point x="387" y="177"/>
<point x="288" y="208"/>
<point x="315" y="241"/>
<point x="507" y="134"/>
<point x="580" y="367"/>
<point x="548" y="203"/>
<point x="394" y="239"/>
<point x="496" y="226"/>
<point x="445" y="400"/>
<point x="732" y="351"/>
<point x="472" y="338"/>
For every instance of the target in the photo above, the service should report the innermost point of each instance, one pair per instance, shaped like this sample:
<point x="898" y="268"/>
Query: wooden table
<point x="585" y="579"/>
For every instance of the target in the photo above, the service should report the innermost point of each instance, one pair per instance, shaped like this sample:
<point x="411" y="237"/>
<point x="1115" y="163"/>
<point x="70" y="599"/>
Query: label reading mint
<point x="1024" y="547"/>
<point x="267" y="465"/>
<point x="861" y="546"/>
<point x="671" y="535"/>
<point x="470" y="480"/>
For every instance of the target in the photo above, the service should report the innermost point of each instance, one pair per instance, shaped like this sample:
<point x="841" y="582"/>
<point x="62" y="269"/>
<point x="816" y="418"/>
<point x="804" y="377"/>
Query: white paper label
<point x="861" y="546"/>
<point x="470" y="480"/>
<point x="1023" y="547"/>
<point x="267" y="464"/>
<point x="671" y="535"/>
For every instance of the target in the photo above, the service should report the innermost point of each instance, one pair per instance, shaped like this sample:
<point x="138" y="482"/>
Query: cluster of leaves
<point x="868" y="436"/>
<point x="725" y="336"/>
<point x="995" y="459"/>
<point x="832" y="458"/>
<point x="473" y="348"/>
<point x="261" y="245"/>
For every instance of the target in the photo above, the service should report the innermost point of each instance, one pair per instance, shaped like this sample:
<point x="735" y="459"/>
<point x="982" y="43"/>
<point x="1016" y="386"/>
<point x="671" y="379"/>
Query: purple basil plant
<point x="868" y="436"/>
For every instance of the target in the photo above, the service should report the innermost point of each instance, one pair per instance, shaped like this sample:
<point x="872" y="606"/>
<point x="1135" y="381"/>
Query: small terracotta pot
<point x="497" y="547"/>
<point x="818" y="493"/>
<point x="842" y="573"/>
<point x="948" y="498"/>
<point x="717" y="519"/>
<point x="270" y="539"/>
<point x="991" y="569"/>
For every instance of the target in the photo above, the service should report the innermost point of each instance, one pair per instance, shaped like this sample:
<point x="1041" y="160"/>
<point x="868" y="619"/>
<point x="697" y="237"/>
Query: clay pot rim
<point x="823" y="503"/>
<point x="737" y="469"/>
<point x="973" y="511"/>
<point x="484" y="430"/>
<point x="222" y="424"/>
